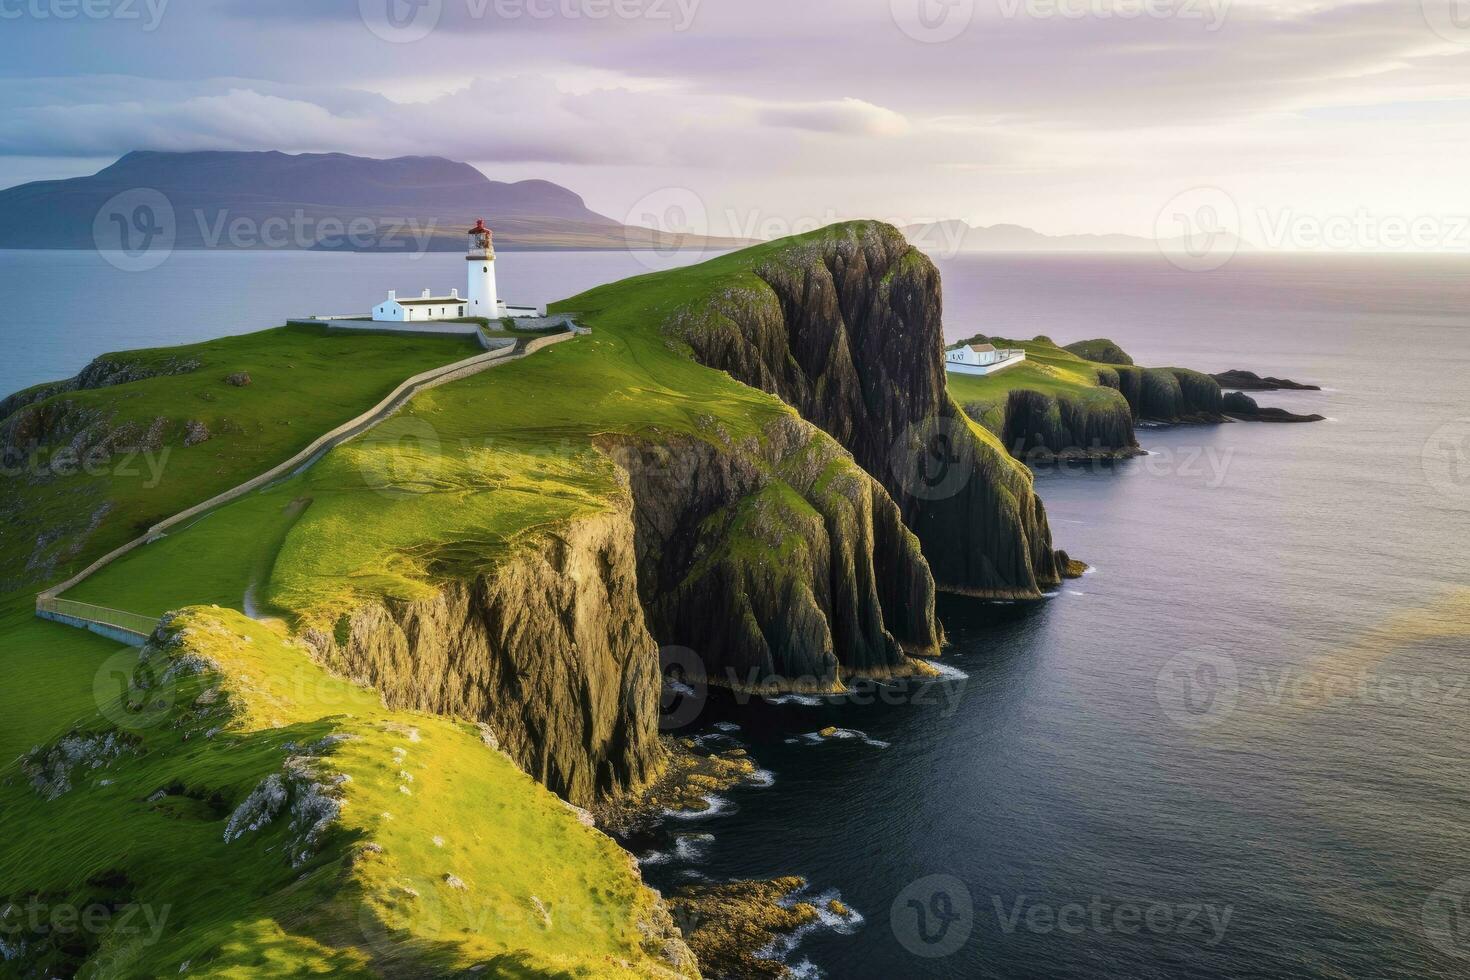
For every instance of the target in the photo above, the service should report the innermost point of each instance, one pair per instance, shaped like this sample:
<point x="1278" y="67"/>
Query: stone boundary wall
<point x="429" y="328"/>
<point x="117" y="634"/>
<point x="502" y="353"/>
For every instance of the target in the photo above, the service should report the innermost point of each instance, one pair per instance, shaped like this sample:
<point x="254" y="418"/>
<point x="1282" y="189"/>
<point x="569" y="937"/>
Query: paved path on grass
<point x="129" y="627"/>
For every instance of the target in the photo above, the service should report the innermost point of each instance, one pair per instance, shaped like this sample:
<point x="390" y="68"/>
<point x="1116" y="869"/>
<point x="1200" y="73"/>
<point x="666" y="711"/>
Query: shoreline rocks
<point x="1241" y="406"/>
<point x="1250" y="381"/>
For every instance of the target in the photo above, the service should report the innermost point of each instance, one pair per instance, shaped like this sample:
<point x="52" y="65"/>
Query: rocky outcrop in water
<point x="846" y="326"/>
<point x="1241" y="406"/>
<point x="1250" y="381"/>
<point x="1165" y="394"/>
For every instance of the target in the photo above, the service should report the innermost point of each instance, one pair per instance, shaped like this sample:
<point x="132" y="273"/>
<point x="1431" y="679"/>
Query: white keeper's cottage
<point x="424" y="307"/>
<point x="981" y="359"/>
<point x="481" y="300"/>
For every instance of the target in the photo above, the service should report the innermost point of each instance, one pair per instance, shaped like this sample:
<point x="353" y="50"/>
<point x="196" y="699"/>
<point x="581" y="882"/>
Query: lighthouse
<point x="483" y="299"/>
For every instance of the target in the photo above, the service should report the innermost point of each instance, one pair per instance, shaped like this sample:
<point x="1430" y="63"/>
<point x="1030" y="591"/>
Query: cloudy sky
<point x="1065" y="115"/>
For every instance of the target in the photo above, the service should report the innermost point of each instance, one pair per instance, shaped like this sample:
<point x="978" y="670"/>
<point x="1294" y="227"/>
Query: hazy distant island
<point x="955" y="236"/>
<point x="314" y="201"/>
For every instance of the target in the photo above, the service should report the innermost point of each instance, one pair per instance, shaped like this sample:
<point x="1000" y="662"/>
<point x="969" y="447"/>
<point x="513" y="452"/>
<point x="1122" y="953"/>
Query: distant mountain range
<point x="958" y="236"/>
<point x="308" y="201"/>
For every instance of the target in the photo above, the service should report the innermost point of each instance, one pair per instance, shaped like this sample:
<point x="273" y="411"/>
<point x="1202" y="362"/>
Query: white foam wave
<point x="782" y="947"/>
<point x="693" y="848"/>
<point x="948" y="672"/>
<point x="844" y="734"/>
<point x="727" y="726"/>
<point x="717" y="805"/>
<point x="805" y="700"/>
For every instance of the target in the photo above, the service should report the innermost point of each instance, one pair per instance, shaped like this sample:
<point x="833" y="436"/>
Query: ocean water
<point x="1236" y="749"/>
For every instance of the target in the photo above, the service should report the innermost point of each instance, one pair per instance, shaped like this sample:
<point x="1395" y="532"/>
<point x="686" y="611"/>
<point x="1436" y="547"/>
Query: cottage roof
<point x="982" y="348"/>
<point x="429" y="301"/>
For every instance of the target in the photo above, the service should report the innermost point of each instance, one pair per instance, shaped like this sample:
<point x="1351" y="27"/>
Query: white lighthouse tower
<point x="483" y="300"/>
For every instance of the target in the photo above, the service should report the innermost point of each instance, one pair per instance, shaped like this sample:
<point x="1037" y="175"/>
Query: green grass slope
<point x="92" y="467"/>
<point x="234" y="811"/>
<point x="101" y="465"/>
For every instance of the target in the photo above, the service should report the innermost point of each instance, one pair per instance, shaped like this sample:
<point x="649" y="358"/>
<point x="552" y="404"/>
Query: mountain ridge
<point x="195" y="198"/>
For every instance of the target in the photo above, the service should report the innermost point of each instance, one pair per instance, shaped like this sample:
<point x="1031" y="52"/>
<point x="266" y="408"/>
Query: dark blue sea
<point x="1237" y="748"/>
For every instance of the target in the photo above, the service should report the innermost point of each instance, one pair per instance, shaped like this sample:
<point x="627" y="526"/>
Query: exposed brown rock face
<point x="847" y="328"/>
<point x="779" y="559"/>
<point x="551" y="650"/>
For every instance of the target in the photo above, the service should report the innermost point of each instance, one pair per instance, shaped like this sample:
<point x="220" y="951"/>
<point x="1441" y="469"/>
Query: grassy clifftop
<point x="243" y="812"/>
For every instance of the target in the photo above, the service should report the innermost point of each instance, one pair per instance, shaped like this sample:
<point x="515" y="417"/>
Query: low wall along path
<point x="134" y="629"/>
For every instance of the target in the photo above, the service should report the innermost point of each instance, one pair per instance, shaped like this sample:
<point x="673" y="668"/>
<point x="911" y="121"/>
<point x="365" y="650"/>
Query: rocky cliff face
<point x="846" y="327"/>
<point x="551" y="650"/>
<point x="1166" y="394"/>
<point x="778" y="560"/>
<point x="1039" y="426"/>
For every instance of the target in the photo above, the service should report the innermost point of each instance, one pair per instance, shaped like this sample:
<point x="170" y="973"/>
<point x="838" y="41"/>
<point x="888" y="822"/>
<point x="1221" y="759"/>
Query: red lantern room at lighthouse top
<point x="482" y="240"/>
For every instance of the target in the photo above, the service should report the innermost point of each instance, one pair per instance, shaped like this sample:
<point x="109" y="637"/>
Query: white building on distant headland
<point x="981" y="359"/>
<point x="482" y="299"/>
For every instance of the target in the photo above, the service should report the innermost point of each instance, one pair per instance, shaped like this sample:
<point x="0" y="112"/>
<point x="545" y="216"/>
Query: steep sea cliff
<point x="846" y="326"/>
